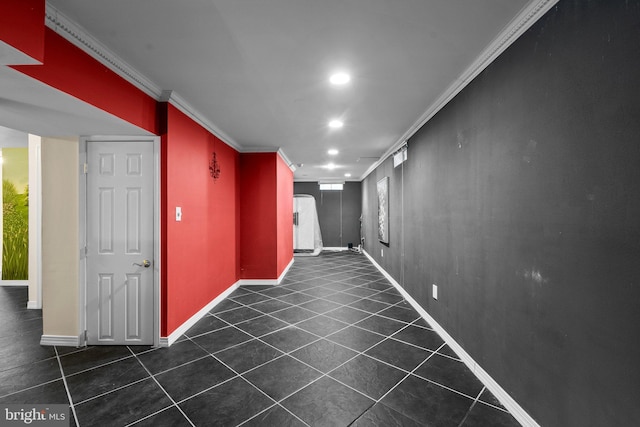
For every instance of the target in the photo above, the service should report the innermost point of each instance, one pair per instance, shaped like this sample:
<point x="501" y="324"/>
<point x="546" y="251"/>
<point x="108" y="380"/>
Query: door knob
<point x="145" y="263"/>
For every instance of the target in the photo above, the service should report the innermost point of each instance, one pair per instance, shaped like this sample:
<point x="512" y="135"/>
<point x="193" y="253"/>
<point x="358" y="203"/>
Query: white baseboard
<point x="14" y="283"/>
<point x="269" y="282"/>
<point x="180" y="330"/>
<point x="33" y="305"/>
<point x="507" y="401"/>
<point x="61" y="340"/>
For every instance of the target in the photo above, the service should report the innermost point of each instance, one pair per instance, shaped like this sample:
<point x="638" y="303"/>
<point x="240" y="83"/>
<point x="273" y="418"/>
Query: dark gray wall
<point x="338" y="212"/>
<point x="521" y="201"/>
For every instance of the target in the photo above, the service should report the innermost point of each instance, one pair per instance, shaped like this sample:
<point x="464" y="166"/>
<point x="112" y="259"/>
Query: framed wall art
<point x="383" y="210"/>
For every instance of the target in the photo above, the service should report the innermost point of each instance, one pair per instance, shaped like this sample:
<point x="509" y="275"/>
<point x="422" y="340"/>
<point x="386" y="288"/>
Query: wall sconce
<point x="214" y="167"/>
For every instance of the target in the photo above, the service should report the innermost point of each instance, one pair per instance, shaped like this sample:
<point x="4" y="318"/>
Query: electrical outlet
<point x="382" y="252"/>
<point x="434" y="288"/>
<point x="178" y="213"/>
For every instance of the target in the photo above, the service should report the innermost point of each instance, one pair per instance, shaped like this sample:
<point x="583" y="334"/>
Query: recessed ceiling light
<point x="331" y="166"/>
<point x="333" y="151"/>
<point x="335" y="124"/>
<point x="340" y="78"/>
<point x="348" y="175"/>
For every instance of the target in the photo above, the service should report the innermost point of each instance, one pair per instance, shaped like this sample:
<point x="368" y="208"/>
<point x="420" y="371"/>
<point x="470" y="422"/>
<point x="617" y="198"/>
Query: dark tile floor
<point x="334" y="345"/>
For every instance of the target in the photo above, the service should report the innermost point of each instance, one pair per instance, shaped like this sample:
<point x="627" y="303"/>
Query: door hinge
<point x="85" y="336"/>
<point x="85" y="168"/>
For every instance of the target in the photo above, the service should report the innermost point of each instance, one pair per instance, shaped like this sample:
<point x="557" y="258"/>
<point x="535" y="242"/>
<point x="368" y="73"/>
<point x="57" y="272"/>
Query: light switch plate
<point x="178" y="213"/>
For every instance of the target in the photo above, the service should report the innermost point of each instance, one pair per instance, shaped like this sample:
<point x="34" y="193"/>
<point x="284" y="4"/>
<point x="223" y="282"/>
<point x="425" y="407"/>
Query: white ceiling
<point x="256" y="72"/>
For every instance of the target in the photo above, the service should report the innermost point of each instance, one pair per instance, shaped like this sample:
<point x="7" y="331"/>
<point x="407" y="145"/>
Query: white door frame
<point x="157" y="264"/>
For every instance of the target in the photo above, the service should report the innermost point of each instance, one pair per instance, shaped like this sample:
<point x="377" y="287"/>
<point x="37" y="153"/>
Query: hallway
<point x="333" y="345"/>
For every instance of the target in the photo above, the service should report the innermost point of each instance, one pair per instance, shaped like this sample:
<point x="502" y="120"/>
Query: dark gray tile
<point x="326" y="402"/>
<point x="94" y="382"/>
<point x="248" y="355"/>
<point x="447" y="351"/>
<point x="348" y="314"/>
<point x="170" y="417"/>
<point x="206" y="324"/>
<point x="91" y="357"/>
<point x="404" y="314"/>
<point x="381" y="325"/>
<point x="337" y="286"/>
<point x="222" y="339"/>
<point x="165" y="358"/>
<point x="225" y="305"/>
<point x="425" y="338"/>
<point x="187" y="380"/>
<point x="229" y="404"/>
<point x="281" y="377"/>
<point x="399" y="354"/>
<point x="361" y="292"/>
<point x="274" y="416"/>
<point x="297" y="298"/>
<point x="324" y="355"/>
<point x="427" y="403"/>
<point x="342" y="298"/>
<point x="262" y="325"/>
<point x="25" y="376"/>
<point x="293" y="314"/>
<point x="320" y="306"/>
<point x="387" y="297"/>
<point x="488" y="397"/>
<point x="450" y="373"/>
<point x="270" y="306"/>
<point x="382" y="416"/>
<point x="53" y="392"/>
<point x="369" y="376"/>
<point x="124" y="406"/>
<point x="319" y="292"/>
<point x="250" y="298"/>
<point x="355" y="338"/>
<point x="239" y="315"/>
<point x="482" y="415"/>
<point x="289" y="339"/>
<point x="369" y="305"/>
<point x="321" y="325"/>
<point x="276" y="291"/>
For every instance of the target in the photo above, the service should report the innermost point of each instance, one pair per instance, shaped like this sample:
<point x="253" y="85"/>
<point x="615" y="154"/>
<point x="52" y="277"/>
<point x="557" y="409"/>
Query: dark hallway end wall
<point x="519" y="199"/>
<point x="338" y="212"/>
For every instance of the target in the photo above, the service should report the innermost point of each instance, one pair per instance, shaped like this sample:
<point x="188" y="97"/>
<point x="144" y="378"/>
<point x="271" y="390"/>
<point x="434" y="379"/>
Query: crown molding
<point x="82" y="39"/>
<point x="528" y="16"/>
<point x="78" y="36"/>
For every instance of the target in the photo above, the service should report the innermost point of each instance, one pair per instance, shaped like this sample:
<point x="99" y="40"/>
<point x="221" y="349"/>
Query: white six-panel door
<point x="120" y="246"/>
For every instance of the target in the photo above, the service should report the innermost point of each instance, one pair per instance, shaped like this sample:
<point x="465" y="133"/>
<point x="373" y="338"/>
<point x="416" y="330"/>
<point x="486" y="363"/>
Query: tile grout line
<point x="66" y="387"/>
<point x="161" y="388"/>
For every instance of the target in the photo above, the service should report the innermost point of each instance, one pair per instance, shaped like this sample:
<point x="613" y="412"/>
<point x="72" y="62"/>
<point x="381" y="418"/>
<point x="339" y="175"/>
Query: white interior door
<point x="120" y="246"/>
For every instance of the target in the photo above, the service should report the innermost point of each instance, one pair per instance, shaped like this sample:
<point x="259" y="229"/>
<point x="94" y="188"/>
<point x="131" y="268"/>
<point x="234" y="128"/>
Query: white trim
<point x="180" y="330"/>
<point x="33" y="305"/>
<point x="507" y="401"/>
<point x="14" y="283"/>
<point x="181" y="104"/>
<point x="269" y="282"/>
<point x="518" y="25"/>
<point x="61" y="340"/>
<point x="335" y="248"/>
<point x="82" y="39"/>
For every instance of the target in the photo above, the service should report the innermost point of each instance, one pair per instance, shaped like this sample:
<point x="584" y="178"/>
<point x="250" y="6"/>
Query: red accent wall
<point x="200" y="253"/>
<point x="22" y="26"/>
<point x="258" y="216"/>
<point x="284" y="199"/>
<point x="238" y="226"/>
<point x="70" y="70"/>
